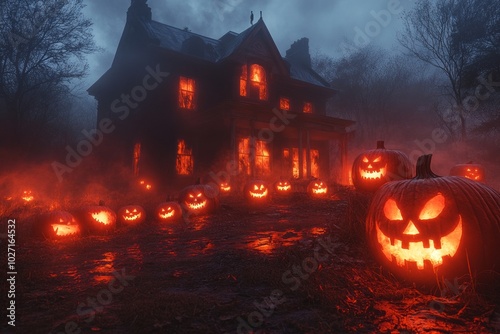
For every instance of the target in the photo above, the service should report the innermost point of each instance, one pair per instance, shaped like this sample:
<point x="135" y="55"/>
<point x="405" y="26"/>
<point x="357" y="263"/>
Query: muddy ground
<point x="296" y="265"/>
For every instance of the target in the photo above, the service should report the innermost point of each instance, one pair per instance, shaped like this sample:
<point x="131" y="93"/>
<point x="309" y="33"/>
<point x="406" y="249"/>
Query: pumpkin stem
<point x="424" y="168"/>
<point x="380" y="144"/>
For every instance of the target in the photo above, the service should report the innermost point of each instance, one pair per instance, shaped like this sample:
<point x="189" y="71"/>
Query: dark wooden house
<point x="186" y="105"/>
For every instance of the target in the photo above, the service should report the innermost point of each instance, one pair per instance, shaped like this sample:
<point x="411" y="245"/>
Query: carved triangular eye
<point x="378" y="159"/>
<point x="392" y="211"/>
<point x="432" y="208"/>
<point x="365" y="159"/>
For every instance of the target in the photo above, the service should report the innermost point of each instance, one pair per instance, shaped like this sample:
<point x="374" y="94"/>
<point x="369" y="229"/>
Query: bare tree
<point x="42" y="48"/>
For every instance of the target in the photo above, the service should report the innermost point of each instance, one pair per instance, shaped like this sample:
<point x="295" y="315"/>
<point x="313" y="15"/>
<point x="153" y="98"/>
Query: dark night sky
<point x="325" y="22"/>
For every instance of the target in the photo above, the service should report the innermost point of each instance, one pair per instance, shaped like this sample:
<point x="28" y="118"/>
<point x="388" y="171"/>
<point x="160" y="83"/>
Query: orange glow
<point x="416" y="252"/>
<point x="225" y="187"/>
<point x="103" y="217"/>
<point x="104" y="268"/>
<point x="258" y="81"/>
<point x="308" y="108"/>
<point x="184" y="162"/>
<point x="432" y="208"/>
<point x="318" y="188"/>
<point x="137" y="157"/>
<point x="260" y="152"/>
<point x="411" y="229"/>
<point x="65" y="229"/>
<point x="262" y="158"/>
<point x="167" y="211"/>
<point x="283" y="186"/>
<point x="145" y="185"/>
<point x="27" y="196"/>
<point x="314" y="154"/>
<point x="196" y="201"/>
<point x="258" y="191"/>
<point x="391" y="210"/>
<point x="244" y="155"/>
<point x="284" y="103"/>
<point x="243" y="81"/>
<point x="187" y="93"/>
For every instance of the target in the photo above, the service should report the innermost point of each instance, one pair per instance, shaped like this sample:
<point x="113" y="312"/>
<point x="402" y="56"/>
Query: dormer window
<point x="253" y="82"/>
<point x="308" y="108"/>
<point x="187" y="90"/>
<point x="284" y="103"/>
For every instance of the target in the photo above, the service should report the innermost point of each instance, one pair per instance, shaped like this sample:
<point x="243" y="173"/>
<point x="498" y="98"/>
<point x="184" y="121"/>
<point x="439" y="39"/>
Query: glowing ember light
<point x="102" y="217"/>
<point x="63" y="230"/>
<point x="149" y="187"/>
<point x="184" y="162"/>
<point x="27" y="196"/>
<point x="308" y="108"/>
<point x="186" y="93"/>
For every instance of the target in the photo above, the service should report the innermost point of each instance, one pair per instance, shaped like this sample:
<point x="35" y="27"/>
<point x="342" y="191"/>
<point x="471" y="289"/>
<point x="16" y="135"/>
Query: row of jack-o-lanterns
<point x="373" y="168"/>
<point x="192" y="200"/>
<point x="429" y="227"/>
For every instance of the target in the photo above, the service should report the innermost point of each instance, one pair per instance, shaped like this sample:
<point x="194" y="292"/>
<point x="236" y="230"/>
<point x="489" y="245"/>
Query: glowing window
<point x="184" y="162"/>
<point x="284" y="103"/>
<point x="314" y="154"/>
<point x="187" y="89"/>
<point x="244" y="155"/>
<point x="259" y="152"/>
<point x="308" y="107"/>
<point x="137" y="158"/>
<point x="262" y="158"/>
<point x="253" y="82"/>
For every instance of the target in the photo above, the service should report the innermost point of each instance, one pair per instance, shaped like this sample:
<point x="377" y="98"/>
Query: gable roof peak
<point x="139" y="10"/>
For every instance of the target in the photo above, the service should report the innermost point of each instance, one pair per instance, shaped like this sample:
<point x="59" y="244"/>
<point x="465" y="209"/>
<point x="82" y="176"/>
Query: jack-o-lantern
<point x="225" y="188"/>
<point x="375" y="167"/>
<point x="432" y="225"/>
<point x="256" y="191"/>
<point x="317" y="188"/>
<point x="198" y="199"/>
<point x="283" y="187"/>
<point x="131" y="215"/>
<point x="58" y="225"/>
<point x="98" y="218"/>
<point x="27" y="196"/>
<point x="469" y="170"/>
<point x="168" y="211"/>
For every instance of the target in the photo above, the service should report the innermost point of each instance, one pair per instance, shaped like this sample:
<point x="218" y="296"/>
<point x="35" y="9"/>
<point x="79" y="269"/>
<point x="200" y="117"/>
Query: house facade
<point x="189" y="106"/>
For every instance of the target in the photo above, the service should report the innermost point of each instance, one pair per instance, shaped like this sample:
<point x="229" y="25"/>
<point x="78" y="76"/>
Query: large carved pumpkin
<point x="57" y="225"/>
<point x="432" y="225"/>
<point x="317" y="189"/>
<point x="469" y="170"/>
<point x="375" y="167"/>
<point x="283" y="187"/>
<point x="256" y="192"/>
<point x="168" y="211"/>
<point x="131" y="215"/>
<point x="198" y="199"/>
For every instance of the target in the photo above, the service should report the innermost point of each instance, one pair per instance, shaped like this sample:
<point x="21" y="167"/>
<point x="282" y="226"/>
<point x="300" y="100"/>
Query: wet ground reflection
<point x="104" y="268"/>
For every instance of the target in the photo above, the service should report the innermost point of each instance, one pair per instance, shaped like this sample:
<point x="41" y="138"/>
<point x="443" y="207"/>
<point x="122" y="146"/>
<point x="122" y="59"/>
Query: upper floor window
<point x="308" y="108"/>
<point x="184" y="161"/>
<point x="253" y="82"/>
<point x="187" y="90"/>
<point x="284" y="103"/>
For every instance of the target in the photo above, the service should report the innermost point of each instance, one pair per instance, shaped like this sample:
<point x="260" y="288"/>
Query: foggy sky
<point x="325" y="22"/>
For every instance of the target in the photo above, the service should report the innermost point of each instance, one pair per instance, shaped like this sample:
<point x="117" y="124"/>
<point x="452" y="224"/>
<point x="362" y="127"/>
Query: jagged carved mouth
<point x="133" y="217"/>
<point x="258" y="195"/>
<point x="196" y="206"/>
<point x="401" y="253"/>
<point x="373" y="174"/>
<point x="65" y="229"/>
<point x="102" y="218"/>
<point x="166" y="215"/>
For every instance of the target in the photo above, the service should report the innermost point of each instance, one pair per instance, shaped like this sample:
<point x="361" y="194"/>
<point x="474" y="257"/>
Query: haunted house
<point x="183" y="105"/>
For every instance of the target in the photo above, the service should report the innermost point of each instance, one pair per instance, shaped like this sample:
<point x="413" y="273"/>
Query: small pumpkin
<point x="27" y="196"/>
<point x="168" y="211"/>
<point x="373" y="168"/>
<point x="256" y="191"/>
<point x="131" y="215"/>
<point x="469" y="170"/>
<point x="283" y="187"/>
<point x="434" y="225"/>
<point x="58" y="225"/>
<point x="98" y="218"/>
<point x="225" y="188"/>
<point x="198" y="199"/>
<point x="317" y="188"/>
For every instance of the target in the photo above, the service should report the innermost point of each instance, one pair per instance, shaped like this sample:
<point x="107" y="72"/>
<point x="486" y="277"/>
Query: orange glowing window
<point x="314" y="154"/>
<point x="284" y="103"/>
<point x="184" y="162"/>
<point x="257" y="150"/>
<point x="187" y="88"/>
<point x="308" y="107"/>
<point x="137" y="158"/>
<point x="253" y="82"/>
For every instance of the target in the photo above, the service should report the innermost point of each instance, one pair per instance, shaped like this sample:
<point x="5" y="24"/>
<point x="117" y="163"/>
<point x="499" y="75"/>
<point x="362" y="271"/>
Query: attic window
<point x="284" y="103"/>
<point x="308" y="108"/>
<point x="187" y="89"/>
<point x="253" y="82"/>
<point x="184" y="162"/>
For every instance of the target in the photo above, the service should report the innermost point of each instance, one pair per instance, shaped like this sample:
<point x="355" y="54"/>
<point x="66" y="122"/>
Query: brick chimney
<point x="299" y="52"/>
<point x="139" y="9"/>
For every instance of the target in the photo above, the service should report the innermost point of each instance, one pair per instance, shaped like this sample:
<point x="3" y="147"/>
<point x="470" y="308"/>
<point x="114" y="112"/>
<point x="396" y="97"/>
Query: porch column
<point x="308" y="153"/>
<point x="301" y="159"/>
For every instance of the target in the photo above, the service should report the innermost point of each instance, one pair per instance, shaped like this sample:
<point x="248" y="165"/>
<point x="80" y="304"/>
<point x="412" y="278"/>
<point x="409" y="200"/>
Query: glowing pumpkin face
<point x="469" y="170"/>
<point x="225" y="188"/>
<point x="432" y="225"/>
<point x="131" y="215"/>
<point x="317" y="188"/>
<point x="283" y="187"/>
<point x="168" y="211"/>
<point x="58" y="225"/>
<point x="256" y="191"/>
<point x="373" y="168"/>
<point x="27" y="196"/>
<point x="198" y="199"/>
<point x="98" y="218"/>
